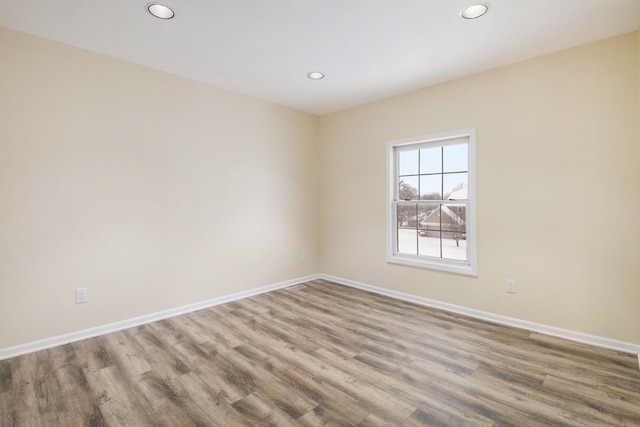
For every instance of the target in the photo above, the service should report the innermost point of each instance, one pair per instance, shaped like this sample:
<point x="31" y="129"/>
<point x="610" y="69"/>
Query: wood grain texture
<point x="324" y="355"/>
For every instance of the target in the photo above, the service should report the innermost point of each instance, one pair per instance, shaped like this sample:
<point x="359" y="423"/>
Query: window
<point x="431" y="202"/>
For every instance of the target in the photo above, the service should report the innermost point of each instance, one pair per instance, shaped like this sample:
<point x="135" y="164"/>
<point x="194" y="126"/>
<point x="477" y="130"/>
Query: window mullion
<point x="419" y="175"/>
<point x="441" y="193"/>
<point x="417" y="234"/>
<point x="397" y="248"/>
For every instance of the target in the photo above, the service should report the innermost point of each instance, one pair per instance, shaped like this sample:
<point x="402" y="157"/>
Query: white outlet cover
<point x="81" y="295"/>
<point x="510" y="286"/>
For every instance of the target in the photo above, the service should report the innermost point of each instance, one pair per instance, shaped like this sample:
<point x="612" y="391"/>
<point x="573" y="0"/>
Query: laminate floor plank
<point x="327" y="334"/>
<point x="422" y="391"/>
<point x="283" y="365"/>
<point x="343" y="377"/>
<point x="336" y="404"/>
<point x="167" y="404"/>
<point x="586" y="399"/>
<point x="6" y="400"/>
<point x="192" y="330"/>
<point x="228" y="337"/>
<point x="277" y="417"/>
<point x="26" y="410"/>
<point x="321" y="355"/>
<point x="160" y="358"/>
<point x="94" y="353"/>
<point x="165" y="331"/>
<point x="297" y="358"/>
<point x="250" y="379"/>
<point x="81" y="408"/>
<point x="47" y="388"/>
<point x="7" y="411"/>
<point x="126" y="354"/>
<point x="210" y="401"/>
<point x="118" y="402"/>
<point x="323" y="416"/>
<point x="214" y="368"/>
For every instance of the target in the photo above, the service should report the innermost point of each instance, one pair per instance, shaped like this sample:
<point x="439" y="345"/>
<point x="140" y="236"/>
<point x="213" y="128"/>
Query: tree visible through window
<point x="431" y="201"/>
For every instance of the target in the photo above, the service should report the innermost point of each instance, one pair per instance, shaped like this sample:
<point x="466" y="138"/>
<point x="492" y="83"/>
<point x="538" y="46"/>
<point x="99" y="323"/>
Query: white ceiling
<point x="368" y="49"/>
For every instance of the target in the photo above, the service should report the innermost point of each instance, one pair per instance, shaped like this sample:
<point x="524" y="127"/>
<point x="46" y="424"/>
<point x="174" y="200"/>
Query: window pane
<point x="429" y="244"/>
<point x="455" y="248"/>
<point x="455" y="186"/>
<point x="407" y="216"/>
<point x="454" y="232"/>
<point x="453" y="220"/>
<point x="408" y="162"/>
<point x="408" y="188"/>
<point x="428" y="219"/>
<point x="408" y="241"/>
<point x="455" y="158"/>
<point x="431" y="187"/>
<point x="431" y="160"/>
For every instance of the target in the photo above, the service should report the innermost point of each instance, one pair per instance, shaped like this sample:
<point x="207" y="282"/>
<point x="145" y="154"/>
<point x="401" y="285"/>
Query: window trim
<point x="468" y="267"/>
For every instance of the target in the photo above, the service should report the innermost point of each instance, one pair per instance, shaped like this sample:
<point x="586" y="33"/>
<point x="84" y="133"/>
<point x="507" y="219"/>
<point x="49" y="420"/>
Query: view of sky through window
<point x="432" y="173"/>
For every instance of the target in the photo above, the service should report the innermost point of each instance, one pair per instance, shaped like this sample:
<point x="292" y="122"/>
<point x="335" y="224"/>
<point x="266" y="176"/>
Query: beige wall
<point x="155" y="191"/>
<point x="558" y="147"/>
<point x="150" y="190"/>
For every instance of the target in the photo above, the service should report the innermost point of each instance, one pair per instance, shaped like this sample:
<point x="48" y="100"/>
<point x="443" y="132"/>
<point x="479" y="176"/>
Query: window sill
<point x="441" y="265"/>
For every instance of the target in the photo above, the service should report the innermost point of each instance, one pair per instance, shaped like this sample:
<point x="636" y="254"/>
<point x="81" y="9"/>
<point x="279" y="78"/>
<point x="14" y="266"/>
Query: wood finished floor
<point x="323" y="355"/>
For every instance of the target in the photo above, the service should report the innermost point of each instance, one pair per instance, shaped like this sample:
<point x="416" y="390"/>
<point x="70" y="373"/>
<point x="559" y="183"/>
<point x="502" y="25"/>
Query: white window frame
<point x="468" y="267"/>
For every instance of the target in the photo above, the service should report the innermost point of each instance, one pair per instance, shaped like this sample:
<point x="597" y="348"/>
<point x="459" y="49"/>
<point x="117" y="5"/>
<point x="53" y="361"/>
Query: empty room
<point x="341" y="213"/>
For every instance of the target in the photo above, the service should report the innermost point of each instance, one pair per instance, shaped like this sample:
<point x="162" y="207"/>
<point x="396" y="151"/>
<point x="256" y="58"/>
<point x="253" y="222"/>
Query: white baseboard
<point x="496" y="318"/>
<point x="46" y="343"/>
<point x="18" y="350"/>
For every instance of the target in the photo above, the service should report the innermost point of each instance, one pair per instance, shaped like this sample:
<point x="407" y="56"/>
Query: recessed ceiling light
<point x="474" y="11"/>
<point x="316" y="75"/>
<point x="160" y="11"/>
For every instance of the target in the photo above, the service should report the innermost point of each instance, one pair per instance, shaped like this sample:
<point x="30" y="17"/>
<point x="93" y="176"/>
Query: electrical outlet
<point x="305" y="256"/>
<point x="81" y="295"/>
<point x="510" y="286"/>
